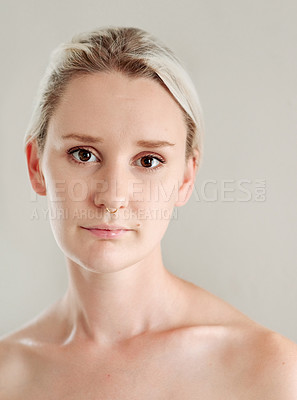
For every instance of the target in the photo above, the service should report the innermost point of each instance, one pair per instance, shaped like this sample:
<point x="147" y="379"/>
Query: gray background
<point x="242" y="57"/>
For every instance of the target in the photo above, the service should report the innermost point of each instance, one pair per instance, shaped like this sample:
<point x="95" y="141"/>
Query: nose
<point x="112" y="190"/>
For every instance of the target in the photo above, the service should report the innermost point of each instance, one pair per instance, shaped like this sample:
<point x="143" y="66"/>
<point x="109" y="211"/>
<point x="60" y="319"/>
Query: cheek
<point x="65" y="188"/>
<point x="153" y="208"/>
<point x="162" y="193"/>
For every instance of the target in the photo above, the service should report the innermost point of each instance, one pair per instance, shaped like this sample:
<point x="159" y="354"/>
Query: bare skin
<point x="210" y="351"/>
<point x="127" y="328"/>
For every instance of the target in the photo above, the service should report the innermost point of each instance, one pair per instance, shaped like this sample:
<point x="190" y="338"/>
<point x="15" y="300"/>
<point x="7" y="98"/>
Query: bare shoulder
<point x="276" y="366"/>
<point x="264" y="362"/>
<point x="255" y="361"/>
<point x="14" y="371"/>
<point x="21" y="357"/>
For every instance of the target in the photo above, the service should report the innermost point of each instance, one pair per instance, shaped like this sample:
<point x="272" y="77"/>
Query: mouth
<point x="107" y="231"/>
<point x="106" y="227"/>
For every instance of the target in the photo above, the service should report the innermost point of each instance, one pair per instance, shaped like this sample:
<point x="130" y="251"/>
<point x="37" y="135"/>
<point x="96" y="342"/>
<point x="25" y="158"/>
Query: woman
<point x="114" y="143"/>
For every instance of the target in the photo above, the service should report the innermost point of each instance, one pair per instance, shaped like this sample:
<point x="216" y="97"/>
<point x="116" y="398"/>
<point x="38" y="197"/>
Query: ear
<point x="35" y="173"/>
<point x="186" y="188"/>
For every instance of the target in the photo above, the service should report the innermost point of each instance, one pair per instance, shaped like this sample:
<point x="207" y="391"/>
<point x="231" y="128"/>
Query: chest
<point x="173" y="369"/>
<point x="115" y="380"/>
<point x="158" y="378"/>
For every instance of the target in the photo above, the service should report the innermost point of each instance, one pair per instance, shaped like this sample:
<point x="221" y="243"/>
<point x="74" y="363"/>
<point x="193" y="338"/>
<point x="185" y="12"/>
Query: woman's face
<point x="116" y="142"/>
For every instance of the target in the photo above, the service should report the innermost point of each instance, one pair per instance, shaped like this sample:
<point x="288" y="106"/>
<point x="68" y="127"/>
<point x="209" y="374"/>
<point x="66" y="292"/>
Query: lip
<point x="108" y="227"/>
<point x="107" y="231"/>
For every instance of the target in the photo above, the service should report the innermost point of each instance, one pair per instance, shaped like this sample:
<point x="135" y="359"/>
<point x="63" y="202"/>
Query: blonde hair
<point x="131" y="51"/>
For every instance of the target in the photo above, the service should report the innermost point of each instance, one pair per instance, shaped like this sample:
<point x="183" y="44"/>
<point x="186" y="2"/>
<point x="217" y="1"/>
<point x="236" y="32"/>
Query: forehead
<point x="118" y="106"/>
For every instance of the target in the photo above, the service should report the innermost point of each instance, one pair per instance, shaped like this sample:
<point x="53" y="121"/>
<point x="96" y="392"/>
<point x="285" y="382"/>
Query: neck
<point x="111" y="307"/>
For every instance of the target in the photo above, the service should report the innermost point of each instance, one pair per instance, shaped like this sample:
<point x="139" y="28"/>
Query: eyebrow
<point x="139" y="143"/>
<point x="153" y="143"/>
<point x="86" y="138"/>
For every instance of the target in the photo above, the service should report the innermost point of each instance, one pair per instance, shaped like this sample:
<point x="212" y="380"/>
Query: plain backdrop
<point x="237" y="235"/>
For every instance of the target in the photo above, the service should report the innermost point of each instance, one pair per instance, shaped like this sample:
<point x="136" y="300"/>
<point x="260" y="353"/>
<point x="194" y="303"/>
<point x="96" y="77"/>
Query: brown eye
<point x="149" y="162"/>
<point x="83" y="155"/>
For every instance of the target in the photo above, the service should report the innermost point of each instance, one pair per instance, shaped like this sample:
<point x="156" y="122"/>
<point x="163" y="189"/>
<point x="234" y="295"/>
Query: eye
<point x="83" y="155"/>
<point x="149" y="161"/>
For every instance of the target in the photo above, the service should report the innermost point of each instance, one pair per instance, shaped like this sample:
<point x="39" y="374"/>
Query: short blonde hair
<point x="131" y="51"/>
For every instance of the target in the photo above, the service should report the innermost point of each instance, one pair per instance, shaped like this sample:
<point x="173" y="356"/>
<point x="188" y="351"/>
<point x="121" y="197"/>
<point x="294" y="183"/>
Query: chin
<point x="105" y="257"/>
<point x="105" y="265"/>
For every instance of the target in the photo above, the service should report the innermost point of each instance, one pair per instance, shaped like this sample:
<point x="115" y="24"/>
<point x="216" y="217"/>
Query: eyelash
<point x="73" y="150"/>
